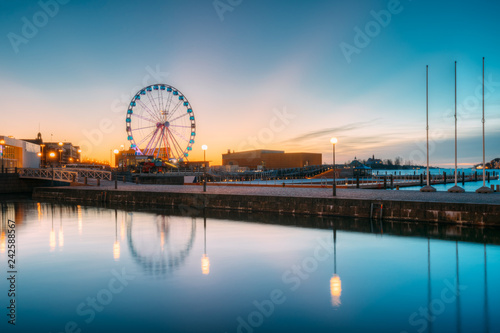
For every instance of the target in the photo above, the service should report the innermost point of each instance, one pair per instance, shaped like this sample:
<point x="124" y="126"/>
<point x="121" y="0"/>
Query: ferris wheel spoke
<point x="144" y="118"/>
<point x="176" y="144"/>
<point x="174" y="110"/>
<point x="165" y="142"/>
<point x="180" y="126"/>
<point x="167" y="105"/>
<point x="153" y="104"/>
<point x="179" y="117"/>
<point x="146" y="150"/>
<point x="179" y="134"/>
<point x="158" y="144"/>
<point x="148" y="110"/>
<point x="160" y="100"/>
<point x="145" y="138"/>
<point x="144" y="127"/>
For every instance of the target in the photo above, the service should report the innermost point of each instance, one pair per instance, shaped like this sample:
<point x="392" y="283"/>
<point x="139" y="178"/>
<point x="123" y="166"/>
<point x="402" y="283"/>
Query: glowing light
<point x="205" y="265"/>
<point x="60" y="144"/>
<point x="52" y="240"/>
<point x="39" y="210"/>
<point x="204" y="147"/>
<point x="333" y="141"/>
<point x="61" y="237"/>
<point x="52" y="154"/>
<point x="116" y="151"/>
<point x="80" y="219"/>
<point x="335" y="290"/>
<point x="116" y="251"/>
<point x="2" y="242"/>
<point x="39" y="154"/>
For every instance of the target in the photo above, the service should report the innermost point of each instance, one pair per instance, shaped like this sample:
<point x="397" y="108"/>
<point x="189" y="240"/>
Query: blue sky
<point x="77" y="72"/>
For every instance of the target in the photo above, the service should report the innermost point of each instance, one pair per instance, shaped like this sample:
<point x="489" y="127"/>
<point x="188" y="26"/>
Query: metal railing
<point x="61" y="175"/>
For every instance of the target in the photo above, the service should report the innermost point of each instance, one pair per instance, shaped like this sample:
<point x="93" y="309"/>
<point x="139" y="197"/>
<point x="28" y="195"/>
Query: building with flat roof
<point x="56" y="153"/>
<point x="270" y="159"/>
<point x="18" y="153"/>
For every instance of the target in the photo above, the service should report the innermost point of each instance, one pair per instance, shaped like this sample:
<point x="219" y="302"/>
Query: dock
<point x="471" y="208"/>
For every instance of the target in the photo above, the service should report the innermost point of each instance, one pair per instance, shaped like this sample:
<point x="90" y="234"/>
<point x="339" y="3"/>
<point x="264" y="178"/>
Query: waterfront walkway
<point x="353" y="194"/>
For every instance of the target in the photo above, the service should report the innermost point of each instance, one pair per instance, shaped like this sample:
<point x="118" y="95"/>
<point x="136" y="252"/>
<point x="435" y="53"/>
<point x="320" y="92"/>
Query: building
<point x="270" y="159"/>
<point x="18" y="153"/>
<point x="60" y="153"/>
<point x="372" y="161"/>
<point x="56" y="153"/>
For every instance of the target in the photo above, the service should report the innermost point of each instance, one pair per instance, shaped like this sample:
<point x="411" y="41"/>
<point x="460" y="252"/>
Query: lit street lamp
<point x="204" y="148"/>
<point x="43" y="156"/>
<point x="333" y="141"/>
<point x="2" y="144"/>
<point x="116" y="153"/>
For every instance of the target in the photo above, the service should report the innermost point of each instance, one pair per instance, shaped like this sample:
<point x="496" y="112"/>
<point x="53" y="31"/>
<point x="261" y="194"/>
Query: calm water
<point x="106" y="270"/>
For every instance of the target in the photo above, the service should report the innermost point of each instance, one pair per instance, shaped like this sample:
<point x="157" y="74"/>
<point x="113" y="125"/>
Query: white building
<point x="18" y="153"/>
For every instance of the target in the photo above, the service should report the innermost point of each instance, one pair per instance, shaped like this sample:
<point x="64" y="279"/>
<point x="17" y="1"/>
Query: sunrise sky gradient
<point x="242" y="66"/>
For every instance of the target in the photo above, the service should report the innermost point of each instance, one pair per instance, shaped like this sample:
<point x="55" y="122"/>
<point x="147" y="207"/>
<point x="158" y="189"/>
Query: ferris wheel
<point x="160" y="123"/>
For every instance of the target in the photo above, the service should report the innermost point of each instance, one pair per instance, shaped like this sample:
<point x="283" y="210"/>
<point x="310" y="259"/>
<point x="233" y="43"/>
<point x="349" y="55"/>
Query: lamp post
<point x="60" y="144"/>
<point x="2" y="144"/>
<point x="204" y="148"/>
<point x="43" y="156"/>
<point x="60" y="157"/>
<point x="333" y="141"/>
<point x="116" y="153"/>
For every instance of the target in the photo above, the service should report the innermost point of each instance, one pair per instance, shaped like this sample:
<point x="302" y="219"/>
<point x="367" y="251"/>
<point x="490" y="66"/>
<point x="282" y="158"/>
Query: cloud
<point x="333" y="131"/>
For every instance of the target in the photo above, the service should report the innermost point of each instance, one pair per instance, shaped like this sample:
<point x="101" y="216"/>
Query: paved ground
<point x="362" y="194"/>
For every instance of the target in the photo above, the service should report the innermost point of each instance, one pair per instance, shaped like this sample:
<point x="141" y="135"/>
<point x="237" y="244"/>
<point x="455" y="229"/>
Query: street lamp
<point x="60" y="156"/>
<point x="2" y="144"/>
<point x="204" y="148"/>
<point x="333" y="141"/>
<point x="116" y="153"/>
<point x="43" y="156"/>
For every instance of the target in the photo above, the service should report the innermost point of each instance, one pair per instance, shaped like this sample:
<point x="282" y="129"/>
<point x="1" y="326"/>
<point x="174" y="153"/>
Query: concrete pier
<point x="377" y="204"/>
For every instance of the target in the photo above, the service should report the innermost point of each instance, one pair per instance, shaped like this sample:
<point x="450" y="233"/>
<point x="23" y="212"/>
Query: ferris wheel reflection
<point x="160" y="245"/>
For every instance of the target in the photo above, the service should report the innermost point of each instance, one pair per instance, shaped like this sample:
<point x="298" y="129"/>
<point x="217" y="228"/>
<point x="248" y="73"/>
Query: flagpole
<point x="427" y="188"/>
<point x="456" y="188"/>
<point x="484" y="189"/>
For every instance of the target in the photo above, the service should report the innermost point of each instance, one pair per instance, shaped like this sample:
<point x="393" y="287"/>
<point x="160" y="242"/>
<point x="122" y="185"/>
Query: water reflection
<point x="370" y="276"/>
<point x="116" y="245"/>
<point x="205" y="261"/>
<point x="335" y="283"/>
<point x="162" y="246"/>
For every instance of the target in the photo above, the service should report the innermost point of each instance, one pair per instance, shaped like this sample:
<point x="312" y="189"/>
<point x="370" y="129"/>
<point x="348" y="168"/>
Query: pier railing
<point x="63" y="174"/>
